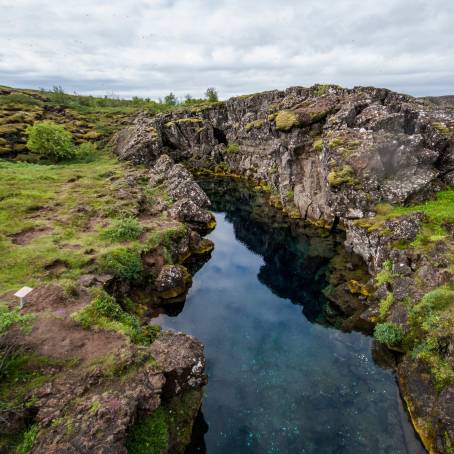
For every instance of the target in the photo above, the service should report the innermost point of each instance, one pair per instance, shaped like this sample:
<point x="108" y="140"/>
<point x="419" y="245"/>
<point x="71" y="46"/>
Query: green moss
<point x="167" y="429"/>
<point x="257" y="124"/>
<point x="22" y="373"/>
<point x="233" y="148"/>
<point x="189" y="120"/>
<point x="342" y="175"/>
<point x="431" y="320"/>
<point x="149" y="435"/>
<point x="317" y="145"/>
<point x="441" y="127"/>
<point x="285" y="120"/>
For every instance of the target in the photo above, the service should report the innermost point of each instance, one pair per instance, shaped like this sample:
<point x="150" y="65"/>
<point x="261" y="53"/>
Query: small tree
<point x="50" y="140"/>
<point x="171" y="99"/>
<point x="212" y="95"/>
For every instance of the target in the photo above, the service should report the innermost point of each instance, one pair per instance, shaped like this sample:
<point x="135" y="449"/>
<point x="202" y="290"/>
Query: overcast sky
<point x="151" y="47"/>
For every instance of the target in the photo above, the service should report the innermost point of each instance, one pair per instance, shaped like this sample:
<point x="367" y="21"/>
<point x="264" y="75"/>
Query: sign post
<point x="21" y="294"/>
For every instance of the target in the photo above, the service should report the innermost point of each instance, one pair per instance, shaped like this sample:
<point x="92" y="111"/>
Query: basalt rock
<point x="332" y="152"/>
<point x="93" y="412"/>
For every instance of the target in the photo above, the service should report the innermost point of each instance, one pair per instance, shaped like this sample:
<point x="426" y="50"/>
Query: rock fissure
<point x="376" y="162"/>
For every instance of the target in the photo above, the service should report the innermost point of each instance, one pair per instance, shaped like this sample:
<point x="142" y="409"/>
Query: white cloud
<point x="149" y="47"/>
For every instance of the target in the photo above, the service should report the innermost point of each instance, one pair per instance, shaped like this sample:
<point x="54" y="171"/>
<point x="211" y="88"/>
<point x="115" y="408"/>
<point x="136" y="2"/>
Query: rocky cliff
<point x="380" y="164"/>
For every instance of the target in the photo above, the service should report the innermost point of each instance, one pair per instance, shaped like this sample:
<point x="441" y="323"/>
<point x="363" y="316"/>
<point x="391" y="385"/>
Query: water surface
<point x="281" y="379"/>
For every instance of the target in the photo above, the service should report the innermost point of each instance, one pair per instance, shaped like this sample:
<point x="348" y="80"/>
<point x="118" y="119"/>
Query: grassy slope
<point x="59" y="221"/>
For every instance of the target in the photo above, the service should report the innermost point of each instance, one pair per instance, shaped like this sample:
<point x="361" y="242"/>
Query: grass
<point x="105" y="313"/>
<point x="123" y="263"/>
<point x="63" y="208"/>
<point x="8" y="318"/>
<point x="123" y="229"/>
<point x="385" y="304"/>
<point x="28" y="440"/>
<point x="386" y="275"/>
<point x="150" y="435"/>
<point x="21" y="373"/>
<point x="437" y="213"/>
<point x="172" y="421"/>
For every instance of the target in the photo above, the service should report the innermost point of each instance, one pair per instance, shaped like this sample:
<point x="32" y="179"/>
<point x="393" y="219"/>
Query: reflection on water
<point x="278" y="382"/>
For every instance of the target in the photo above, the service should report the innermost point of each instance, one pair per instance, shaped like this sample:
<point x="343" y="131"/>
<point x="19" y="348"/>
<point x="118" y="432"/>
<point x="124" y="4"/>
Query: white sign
<point x="22" y="293"/>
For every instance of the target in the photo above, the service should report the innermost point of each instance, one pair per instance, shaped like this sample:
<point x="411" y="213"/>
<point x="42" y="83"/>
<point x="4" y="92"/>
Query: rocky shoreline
<point x="88" y="374"/>
<point x="366" y="160"/>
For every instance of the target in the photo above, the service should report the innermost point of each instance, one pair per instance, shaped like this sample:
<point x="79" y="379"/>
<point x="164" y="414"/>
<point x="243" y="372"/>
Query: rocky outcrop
<point x="190" y="200"/>
<point x="93" y="410"/>
<point x="332" y="155"/>
<point x="332" y="152"/>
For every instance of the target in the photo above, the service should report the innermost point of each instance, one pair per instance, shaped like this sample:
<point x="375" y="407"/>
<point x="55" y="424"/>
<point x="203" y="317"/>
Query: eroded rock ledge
<point x="351" y="157"/>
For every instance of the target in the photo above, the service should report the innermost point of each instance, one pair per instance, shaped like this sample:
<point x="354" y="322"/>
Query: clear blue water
<point x="281" y="379"/>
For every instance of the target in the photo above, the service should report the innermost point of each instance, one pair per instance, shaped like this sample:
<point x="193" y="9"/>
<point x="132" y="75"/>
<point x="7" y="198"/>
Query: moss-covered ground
<point x="430" y="318"/>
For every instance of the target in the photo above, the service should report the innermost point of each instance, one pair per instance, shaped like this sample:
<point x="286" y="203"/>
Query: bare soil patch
<point x="26" y="236"/>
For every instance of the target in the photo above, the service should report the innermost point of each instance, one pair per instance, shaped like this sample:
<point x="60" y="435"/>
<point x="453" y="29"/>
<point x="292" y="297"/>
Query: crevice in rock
<point x="220" y="136"/>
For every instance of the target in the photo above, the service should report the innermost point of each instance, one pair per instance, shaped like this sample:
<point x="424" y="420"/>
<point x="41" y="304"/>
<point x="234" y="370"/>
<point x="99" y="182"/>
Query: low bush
<point x="388" y="333"/>
<point x="123" y="229"/>
<point x="86" y="152"/>
<point x="51" y="141"/>
<point x="123" y="263"/>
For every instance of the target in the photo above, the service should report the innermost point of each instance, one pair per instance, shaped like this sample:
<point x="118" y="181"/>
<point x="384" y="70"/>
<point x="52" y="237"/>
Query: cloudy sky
<point x="152" y="47"/>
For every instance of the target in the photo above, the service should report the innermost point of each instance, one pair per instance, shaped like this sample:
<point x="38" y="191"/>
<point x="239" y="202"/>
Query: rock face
<point x="332" y="152"/>
<point x="90" y="412"/>
<point x="331" y="155"/>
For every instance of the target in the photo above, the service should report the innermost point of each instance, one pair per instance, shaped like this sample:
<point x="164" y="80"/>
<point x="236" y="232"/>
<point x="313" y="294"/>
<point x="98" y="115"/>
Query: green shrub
<point x="50" y="140"/>
<point x="124" y="229"/>
<point x="233" y="148"/>
<point x="122" y="263"/>
<point x="8" y="318"/>
<point x="104" y="312"/>
<point x="388" y="333"/>
<point x="212" y="95"/>
<point x="86" y="152"/>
